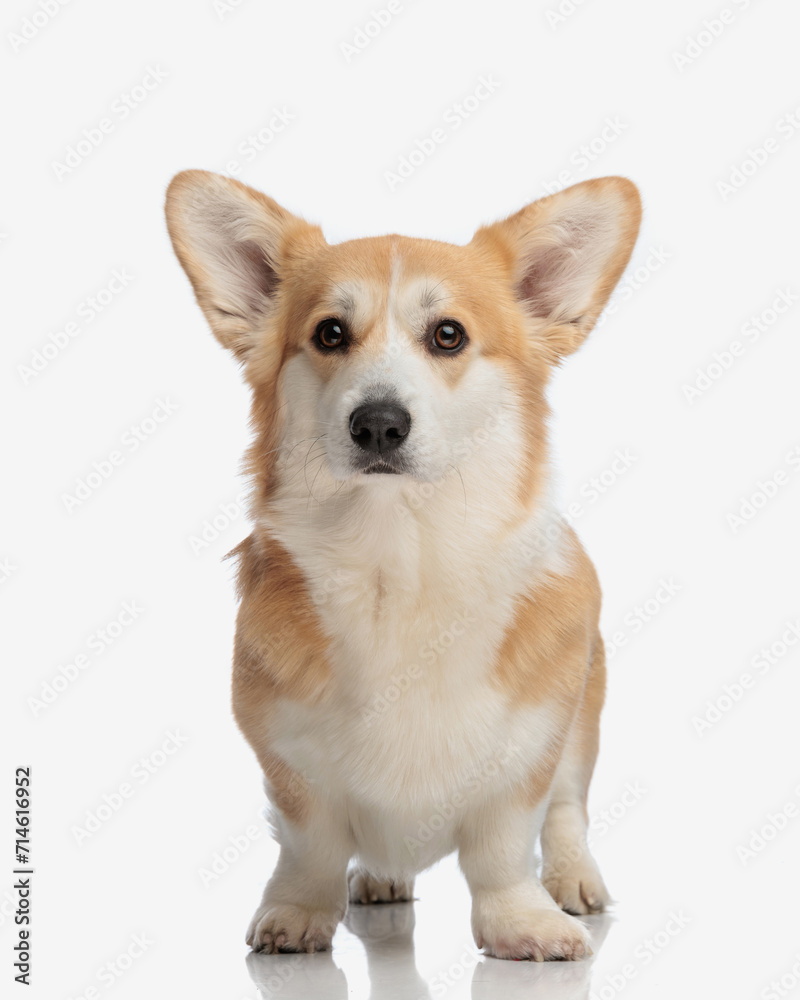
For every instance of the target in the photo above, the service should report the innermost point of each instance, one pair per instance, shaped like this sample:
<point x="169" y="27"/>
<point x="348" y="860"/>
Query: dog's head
<point x="397" y="359"/>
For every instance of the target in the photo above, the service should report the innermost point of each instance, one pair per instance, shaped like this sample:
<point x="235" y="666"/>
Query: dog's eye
<point x="449" y="336"/>
<point x="330" y="333"/>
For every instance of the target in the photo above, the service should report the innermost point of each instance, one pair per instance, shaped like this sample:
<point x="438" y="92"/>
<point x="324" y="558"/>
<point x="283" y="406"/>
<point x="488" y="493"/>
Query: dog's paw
<point x="579" y="890"/>
<point x="366" y="888"/>
<point x="286" y="927"/>
<point x="541" y="935"/>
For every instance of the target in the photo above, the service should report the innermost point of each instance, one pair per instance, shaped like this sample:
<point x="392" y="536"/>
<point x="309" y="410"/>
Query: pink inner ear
<point x="262" y="276"/>
<point x="563" y="265"/>
<point x="540" y="282"/>
<point x="250" y="279"/>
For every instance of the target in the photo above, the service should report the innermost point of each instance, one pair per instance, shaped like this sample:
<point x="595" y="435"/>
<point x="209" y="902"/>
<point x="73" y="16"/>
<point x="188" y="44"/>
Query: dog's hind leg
<point x="364" y="887"/>
<point x="569" y="872"/>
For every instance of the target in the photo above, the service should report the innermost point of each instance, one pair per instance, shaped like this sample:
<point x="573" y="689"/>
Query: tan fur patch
<point x="279" y="652"/>
<point x="547" y="649"/>
<point x="552" y="656"/>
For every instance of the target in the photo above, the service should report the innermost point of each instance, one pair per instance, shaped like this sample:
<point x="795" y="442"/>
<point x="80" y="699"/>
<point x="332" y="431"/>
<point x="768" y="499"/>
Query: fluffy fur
<point x="417" y="662"/>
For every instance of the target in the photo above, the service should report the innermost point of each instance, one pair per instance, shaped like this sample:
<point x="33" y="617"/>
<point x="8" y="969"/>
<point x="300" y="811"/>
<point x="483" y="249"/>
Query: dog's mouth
<point x="381" y="467"/>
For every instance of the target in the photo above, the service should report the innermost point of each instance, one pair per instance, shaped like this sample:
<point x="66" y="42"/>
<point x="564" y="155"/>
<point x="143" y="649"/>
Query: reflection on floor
<point x="419" y="951"/>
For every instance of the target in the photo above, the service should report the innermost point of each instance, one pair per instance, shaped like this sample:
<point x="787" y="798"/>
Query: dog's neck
<point x="393" y="538"/>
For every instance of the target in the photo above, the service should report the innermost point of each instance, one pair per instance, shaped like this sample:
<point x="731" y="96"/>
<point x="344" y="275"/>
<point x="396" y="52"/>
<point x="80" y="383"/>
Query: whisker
<point x="283" y="445"/>
<point x="318" y="438"/>
<point x="311" y="491"/>
<point x="463" y="487"/>
<point x="298" y="472"/>
<point x="305" y="464"/>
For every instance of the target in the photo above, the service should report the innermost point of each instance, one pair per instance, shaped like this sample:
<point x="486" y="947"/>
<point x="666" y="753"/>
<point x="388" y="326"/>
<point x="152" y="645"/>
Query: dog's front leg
<point x="306" y="896"/>
<point x="513" y="915"/>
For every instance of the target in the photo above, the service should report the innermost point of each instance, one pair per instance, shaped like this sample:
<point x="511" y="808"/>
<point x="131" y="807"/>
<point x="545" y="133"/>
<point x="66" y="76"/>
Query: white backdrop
<point x="676" y="429"/>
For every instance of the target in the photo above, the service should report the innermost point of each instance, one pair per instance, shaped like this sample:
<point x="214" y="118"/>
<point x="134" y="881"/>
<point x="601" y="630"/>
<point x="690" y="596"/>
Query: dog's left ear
<point x="566" y="253"/>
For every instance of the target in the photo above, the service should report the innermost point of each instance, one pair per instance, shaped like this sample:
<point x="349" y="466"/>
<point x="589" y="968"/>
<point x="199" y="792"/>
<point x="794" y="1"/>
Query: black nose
<point x="379" y="427"/>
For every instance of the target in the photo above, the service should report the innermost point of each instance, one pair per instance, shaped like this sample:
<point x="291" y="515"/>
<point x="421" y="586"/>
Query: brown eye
<point x="449" y="336"/>
<point x="330" y="334"/>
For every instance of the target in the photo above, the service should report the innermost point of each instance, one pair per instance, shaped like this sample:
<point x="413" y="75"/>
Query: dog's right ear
<point x="231" y="241"/>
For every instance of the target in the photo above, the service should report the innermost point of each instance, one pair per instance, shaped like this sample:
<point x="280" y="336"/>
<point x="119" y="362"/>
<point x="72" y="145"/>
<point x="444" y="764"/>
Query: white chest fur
<point x="413" y="729"/>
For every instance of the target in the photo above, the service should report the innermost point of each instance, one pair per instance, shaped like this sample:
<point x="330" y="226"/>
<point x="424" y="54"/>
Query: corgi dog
<point x="417" y="661"/>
